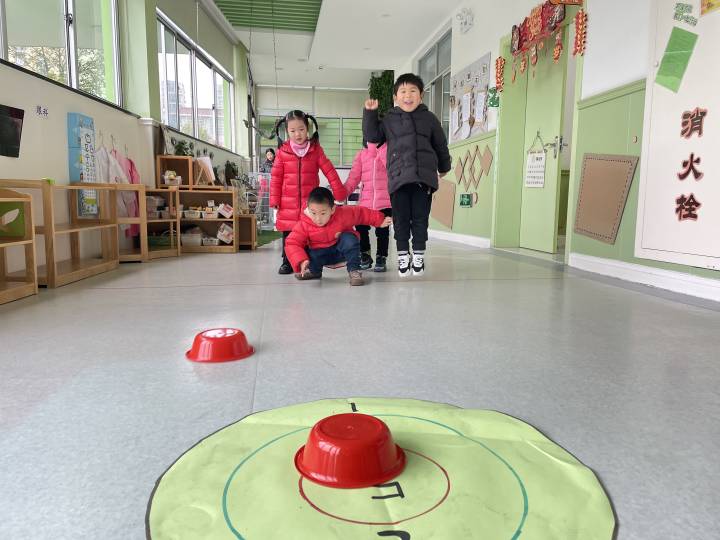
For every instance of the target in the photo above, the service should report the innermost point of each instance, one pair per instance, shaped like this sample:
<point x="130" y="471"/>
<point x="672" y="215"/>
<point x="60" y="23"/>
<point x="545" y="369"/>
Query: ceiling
<point x="350" y="39"/>
<point x="282" y="14"/>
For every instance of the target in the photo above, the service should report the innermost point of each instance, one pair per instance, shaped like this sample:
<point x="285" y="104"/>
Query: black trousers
<point x="411" y="213"/>
<point x="284" y="257"/>
<point x="381" y="233"/>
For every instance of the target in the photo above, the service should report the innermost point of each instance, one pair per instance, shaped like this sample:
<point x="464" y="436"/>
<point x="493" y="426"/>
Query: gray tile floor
<point x="96" y="398"/>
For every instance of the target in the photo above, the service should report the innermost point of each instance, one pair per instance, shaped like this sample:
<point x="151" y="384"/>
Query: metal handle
<point x="557" y="146"/>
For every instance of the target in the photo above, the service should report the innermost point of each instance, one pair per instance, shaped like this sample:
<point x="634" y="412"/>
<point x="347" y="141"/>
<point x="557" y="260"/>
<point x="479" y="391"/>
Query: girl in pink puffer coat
<point x="369" y="169"/>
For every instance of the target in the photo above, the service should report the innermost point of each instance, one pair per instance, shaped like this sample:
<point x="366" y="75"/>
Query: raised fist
<point x="371" y="104"/>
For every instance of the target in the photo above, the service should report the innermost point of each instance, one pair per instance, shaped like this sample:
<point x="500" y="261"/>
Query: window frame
<point x="435" y="85"/>
<point x="71" y="52"/>
<point x="198" y="54"/>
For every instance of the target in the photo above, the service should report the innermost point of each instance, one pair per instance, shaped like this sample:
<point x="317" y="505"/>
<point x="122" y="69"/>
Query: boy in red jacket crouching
<point x="325" y="236"/>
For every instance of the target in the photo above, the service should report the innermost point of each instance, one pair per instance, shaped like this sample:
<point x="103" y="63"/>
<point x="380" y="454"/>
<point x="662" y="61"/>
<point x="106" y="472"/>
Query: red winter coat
<point x="307" y="234"/>
<point x="293" y="179"/>
<point x="369" y="168"/>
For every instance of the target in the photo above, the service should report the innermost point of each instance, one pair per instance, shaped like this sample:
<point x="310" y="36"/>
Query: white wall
<point x="333" y="103"/>
<point x="618" y="41"/>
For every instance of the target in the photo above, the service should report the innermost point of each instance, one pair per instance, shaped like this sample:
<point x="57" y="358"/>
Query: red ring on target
<point x="326" y="513"/>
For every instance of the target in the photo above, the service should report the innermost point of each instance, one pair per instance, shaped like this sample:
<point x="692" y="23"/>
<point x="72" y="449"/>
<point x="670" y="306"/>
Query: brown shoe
<point x="307" y="275"/>
<point x="356" y="278"/>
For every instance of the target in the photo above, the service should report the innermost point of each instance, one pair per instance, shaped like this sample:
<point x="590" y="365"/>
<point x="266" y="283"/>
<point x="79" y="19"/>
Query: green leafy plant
<point x="381" y="88"/>
<point x="184" y="148"/>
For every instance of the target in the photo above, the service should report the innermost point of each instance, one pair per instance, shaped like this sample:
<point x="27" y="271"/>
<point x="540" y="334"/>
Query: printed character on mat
<point x="417" y="152"/>
<point x="369" y="171"/>
<point x="325" y="236"/>
<point x="295" y="174"/>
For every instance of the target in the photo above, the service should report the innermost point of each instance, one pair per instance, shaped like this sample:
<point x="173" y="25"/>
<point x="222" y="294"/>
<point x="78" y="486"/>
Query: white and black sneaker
<point x="418" y="264"/>
<point x="404" y="264"/>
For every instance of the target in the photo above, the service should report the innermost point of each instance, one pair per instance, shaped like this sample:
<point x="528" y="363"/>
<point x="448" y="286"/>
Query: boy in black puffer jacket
<point x="417" y="153"/>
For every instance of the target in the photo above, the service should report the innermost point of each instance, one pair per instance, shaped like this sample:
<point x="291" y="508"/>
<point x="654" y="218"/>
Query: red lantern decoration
<point x="580" y="33"/>
<point x="500" y="74"/>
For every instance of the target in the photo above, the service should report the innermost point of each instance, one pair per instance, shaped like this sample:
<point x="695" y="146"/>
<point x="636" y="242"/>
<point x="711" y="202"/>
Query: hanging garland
<point x="535" y="29"/>
<point x="558" y="50"/>
<point x="580" y="33"/>
<point x="500" y="74"/>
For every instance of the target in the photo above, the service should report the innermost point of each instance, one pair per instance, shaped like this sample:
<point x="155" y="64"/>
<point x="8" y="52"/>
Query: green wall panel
<point x="613" y="124"/>
<point x="475" y="221"/>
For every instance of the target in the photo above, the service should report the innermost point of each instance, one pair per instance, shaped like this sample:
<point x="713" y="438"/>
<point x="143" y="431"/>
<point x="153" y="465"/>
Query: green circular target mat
<point x="470" y="474"/>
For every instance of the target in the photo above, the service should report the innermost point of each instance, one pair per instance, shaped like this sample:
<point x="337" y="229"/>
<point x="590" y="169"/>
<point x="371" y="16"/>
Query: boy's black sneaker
<point x="404" y="265"/>
<point x="380" y="264"/>
<point x="285" y="269"/>
<point x="366" y="261"/>
<point x="418" y="264"/>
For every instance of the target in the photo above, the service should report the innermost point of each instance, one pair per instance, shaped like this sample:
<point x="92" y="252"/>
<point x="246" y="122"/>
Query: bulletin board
<point x="679" y="199"/>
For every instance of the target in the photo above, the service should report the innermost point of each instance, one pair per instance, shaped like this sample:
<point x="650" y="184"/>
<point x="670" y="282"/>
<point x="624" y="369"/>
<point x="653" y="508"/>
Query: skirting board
<point x="655" y="277"/>
<point x="476" y="241"/>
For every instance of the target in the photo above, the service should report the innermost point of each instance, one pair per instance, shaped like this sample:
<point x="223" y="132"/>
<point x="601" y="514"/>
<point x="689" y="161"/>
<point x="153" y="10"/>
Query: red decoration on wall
<point x="568" y="2"/>
<point x="580" y="33"/>
<point x="542" y="22"/>
<point x="500" y="73"/>
<point x="558" y="50"/>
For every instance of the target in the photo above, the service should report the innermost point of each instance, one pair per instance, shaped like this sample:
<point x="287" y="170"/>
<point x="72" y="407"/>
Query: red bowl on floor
<point x="220" y="345"/>
<point x="350" y="450"/>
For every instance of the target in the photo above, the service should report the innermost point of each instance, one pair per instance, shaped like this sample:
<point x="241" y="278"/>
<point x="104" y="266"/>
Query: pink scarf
<point x="300" y="149"/>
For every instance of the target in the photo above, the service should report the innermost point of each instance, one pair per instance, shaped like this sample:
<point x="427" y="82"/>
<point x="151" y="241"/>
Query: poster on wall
<point x="11" y="122"/>
<point x="81" y="160"/>
<point x="469" y="100"/>
<point x="535" y="169"/>
<point x="678" y="216"/>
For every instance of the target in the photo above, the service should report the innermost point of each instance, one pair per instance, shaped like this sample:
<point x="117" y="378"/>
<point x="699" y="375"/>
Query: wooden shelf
<point x="72" y="270"/>
<point x="57" y="273"/>
<point x="209" y="249"/>
<point x="23" y="283"/>
<point x="67" y="228"/>
<point x="171" y="225"/>
<point x="7" y="242"/>
<point x="208" y="219"/>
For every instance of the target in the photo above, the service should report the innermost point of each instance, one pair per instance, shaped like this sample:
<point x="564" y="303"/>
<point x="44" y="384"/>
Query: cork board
<point x="443" y="204"/>
<point x="604" y="188"/>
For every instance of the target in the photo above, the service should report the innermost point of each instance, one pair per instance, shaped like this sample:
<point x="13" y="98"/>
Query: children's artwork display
<point x="11" y="123"/>
<point x="679" y="201"/>
<point x="469" y="474"/>
<point x="469" y="100"/>
<point x="81" y="160"/>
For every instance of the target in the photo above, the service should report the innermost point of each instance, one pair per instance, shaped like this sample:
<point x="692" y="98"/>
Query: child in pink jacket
<point x="369" y="170"/>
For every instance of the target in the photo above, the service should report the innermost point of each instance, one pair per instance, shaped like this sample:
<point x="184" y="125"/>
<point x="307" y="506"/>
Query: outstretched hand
<point x="371" y="104"/>
<point x="304" y="267"/>
<point x="386" y="222"/>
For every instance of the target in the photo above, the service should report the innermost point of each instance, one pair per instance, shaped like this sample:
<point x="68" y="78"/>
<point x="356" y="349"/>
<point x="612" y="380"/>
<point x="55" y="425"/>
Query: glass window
<point x="428" y="66"/>
<point x="185" y="88"/>
<point x="222" y="111"/>
<point x="36" y="37"/>
<point x="444" y="48"/>
<point x="445" y="118"/>
<point x="330" y="138"/>
<point x="266" y="125"/>
<point x="168" y="79"/>
<point x="205" y="86"/>
<point x="38" y="34"/>
<point x="351" y="139"/>
<point x="96" y="48"/>
<point x="195" y="97"/>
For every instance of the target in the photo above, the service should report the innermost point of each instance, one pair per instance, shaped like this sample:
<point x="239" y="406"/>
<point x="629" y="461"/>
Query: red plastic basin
<point x="350" y="450"/>
<point x="220" y="345"/>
